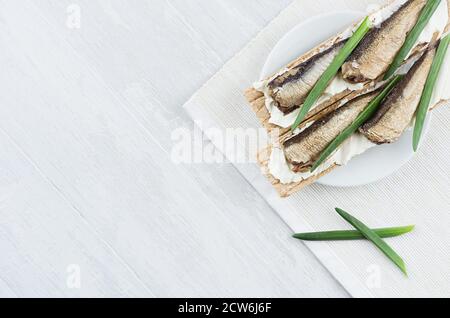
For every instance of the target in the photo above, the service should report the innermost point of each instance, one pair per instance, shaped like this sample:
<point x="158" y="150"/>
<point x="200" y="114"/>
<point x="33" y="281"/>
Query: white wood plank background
<point x="85" y="173"/>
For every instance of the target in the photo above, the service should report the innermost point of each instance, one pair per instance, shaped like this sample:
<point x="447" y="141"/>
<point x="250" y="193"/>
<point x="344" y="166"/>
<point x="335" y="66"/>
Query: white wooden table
<point x="90" y="202"/>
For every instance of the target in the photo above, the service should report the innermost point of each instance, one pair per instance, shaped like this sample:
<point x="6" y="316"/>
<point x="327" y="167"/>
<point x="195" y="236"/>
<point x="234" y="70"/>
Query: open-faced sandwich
<point x="361" y="88"/>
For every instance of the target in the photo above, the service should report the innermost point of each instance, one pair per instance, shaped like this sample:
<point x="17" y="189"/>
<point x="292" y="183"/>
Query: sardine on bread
<point x="287" y="161"/>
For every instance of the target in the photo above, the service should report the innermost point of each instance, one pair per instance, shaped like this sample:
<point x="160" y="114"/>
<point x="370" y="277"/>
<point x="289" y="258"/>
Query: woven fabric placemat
<point x="417" y="194"/>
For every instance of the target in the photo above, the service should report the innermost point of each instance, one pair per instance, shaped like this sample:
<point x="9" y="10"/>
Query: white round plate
<point x="378" y="162"/>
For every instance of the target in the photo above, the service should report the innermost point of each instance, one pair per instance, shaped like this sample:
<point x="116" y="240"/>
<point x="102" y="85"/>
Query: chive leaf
<point x="413" y="35"/>
<point x="360" y="120"/>
<point x="425" y="100"/>
<point x="332" y="70"/>
<point x="375" y="238"/>
<point x="352" y="235"/>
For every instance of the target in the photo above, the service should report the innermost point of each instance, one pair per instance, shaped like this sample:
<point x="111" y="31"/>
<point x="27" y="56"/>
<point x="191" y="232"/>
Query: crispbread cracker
<point x="257" y="102"/>
<point x="285" y="190"/>
<point x="256" y="99"/>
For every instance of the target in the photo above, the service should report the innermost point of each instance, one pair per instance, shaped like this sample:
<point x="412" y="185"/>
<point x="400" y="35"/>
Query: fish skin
<point x="397" y="111"/>
<point x="377" y="50"/>
<point x="290" y="89"/>
<point x="305" y="148"/>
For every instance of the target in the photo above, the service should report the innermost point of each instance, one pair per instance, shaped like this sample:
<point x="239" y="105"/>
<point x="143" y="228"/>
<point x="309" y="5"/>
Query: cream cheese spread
<point x="281" y="169"/>
<point x="357" y="143"/>
<point x="338" y="85"/>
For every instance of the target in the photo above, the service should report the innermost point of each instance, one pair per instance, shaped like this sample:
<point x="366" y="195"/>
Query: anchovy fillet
<point x="305" y="148"/>
<point x="377" y="50"/>
<point x="397" y="111"/>
<point x="290" y="89"/>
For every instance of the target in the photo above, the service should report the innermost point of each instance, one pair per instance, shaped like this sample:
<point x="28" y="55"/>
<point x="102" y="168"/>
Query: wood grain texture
<point x="86" y="176"/>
